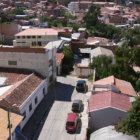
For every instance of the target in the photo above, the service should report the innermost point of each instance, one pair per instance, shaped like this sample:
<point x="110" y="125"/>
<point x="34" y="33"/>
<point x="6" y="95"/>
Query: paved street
<point x="48" y="120"/>
<point x="54" y="126"/>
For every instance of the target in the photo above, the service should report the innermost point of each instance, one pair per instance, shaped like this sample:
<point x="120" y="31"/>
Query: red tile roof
<point x="59" y="57"/>
<point x="13" y="75"/>
<point x="109" y="99"/>
<point x="124" y="86"/>
<point x="37" y="31"/>
<point x="25" y="50"/>
<point x="24" y="90"/>
<point x="23" y="84"/>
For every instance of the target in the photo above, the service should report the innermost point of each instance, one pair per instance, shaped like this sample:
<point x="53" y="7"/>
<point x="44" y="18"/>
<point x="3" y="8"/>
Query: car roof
<point x="76" y="101"/>
<point x="71" y="117"/>
<point x="81" y="81"/>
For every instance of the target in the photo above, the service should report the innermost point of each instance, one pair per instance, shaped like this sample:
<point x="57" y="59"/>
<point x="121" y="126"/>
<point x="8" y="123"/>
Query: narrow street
<point x="54" y="126"/>
<point x="48" y="120"/>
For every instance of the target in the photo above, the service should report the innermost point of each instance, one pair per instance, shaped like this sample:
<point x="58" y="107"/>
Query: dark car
<point x="77" y="105"/>
<point x="81" y="86"/>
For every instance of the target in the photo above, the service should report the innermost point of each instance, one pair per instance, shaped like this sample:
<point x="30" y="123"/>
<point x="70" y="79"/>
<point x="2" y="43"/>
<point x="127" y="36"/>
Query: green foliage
<point x="4" y="18"/>
<point x="125" y="59"/>
<point x="138" y="21"/>
<point x="91" y="18"/>
<point x="53" y="1"/>
<point x="138" y="85"/>
<point x="132" y="37"/>
<point x="98" y="28"/>
<point x="43" y="19"/>
<point x="30" y="17"/>
<point x="68" y="60"/>
<point x="17" y="11"/>
<point x="102" y="64"/>
<point x="131" y="124"/>
<point x="136" y="1"/>
<point x="137" y="56"/>
<point x="89" y="131"/>
<point x="90" y="78"/>
<point x="53" y="22"/>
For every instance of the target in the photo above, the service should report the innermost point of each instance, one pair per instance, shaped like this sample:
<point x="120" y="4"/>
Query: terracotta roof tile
<point x="25" y="50"/>
<point x="59" y="57"/>
<point x="124" y="86"/>
<point x="24" y="90"/>
<point x="109" y="99"/>
<point x="38" y="31"/>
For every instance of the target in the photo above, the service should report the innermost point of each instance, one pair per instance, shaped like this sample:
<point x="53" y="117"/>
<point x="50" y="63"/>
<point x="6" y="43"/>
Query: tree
<point x="102" y="64"/>
<point x="67" y="64"/>
<point x="96" y="27"/>
<point x="131" y="124"/>
<point x="17" y="11"/>
<point x="132" y="37"/>
<point x="126" y="59"/>
<point x="91" y="18"/>
<point x="137" y="56"/>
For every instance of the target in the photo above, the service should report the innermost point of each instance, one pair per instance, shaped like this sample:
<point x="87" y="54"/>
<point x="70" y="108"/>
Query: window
<point x="30" y="107"/>
<point x="33" y="36"/>
<point x="18" y="37"/>
<point x="39" y="43"/>
<point x="50" y="62"/>
<point x="36" y="100"/>
<point x="24" y="114"/>
<point x="28" y="37"/>
<point x="39" y="36"/>
<point x="43" y="91"/>
<point x="23" y="37"/>
<point x="33" y="43"/>
<point x="12" y="62"/>
<point x="51" y="78"/>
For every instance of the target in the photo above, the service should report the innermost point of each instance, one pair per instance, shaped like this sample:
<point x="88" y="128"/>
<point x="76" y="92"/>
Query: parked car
<point x="77" y="105"/>
<point x="72" y="122"/>
<point x="81" y="86"/>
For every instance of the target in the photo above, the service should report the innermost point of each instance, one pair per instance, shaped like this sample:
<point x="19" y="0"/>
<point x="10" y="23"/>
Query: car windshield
<point x="70" y="123"/>
<point x="75" y="104"/>
<point x="80" y="84"/>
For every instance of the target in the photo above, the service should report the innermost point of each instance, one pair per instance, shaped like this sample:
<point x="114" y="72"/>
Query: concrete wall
<point x="105" y="117"/>
<point x="34" y="61"/>
<point x="7" y="33"/>
<point x="83" y="71"/>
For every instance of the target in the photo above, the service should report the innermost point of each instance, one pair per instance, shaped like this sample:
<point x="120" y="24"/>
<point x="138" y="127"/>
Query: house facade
<point x="107" y="108"/>
<point x="25" y="76"/>
<point x="35" y="38"/>
<point x="24" y="92"/>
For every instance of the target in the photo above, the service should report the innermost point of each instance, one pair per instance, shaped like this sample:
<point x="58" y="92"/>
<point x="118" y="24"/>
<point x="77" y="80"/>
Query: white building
<point x="25" y="75"/>
<point x="99" y="51"/>
<point x="24" y="89"/>
<point x="40" y="60"/>
<point x="35" y="37"/>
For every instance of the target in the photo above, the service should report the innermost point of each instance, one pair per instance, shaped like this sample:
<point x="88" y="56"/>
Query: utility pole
<point x="9" y="125"/>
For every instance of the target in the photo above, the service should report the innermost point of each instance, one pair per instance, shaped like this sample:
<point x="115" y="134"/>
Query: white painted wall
<point x="31" y="99"/>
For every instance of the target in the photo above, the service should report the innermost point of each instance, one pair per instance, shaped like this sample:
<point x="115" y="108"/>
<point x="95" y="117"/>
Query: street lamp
<point x="9" y="122"/>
